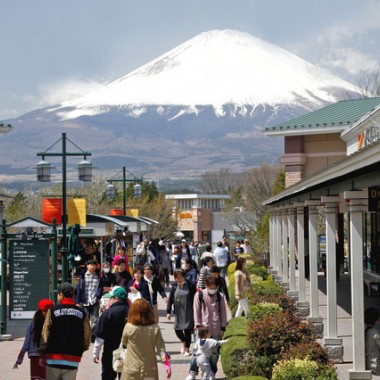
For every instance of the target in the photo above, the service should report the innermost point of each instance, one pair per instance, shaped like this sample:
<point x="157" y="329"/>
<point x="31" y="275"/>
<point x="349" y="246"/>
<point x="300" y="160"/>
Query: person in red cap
<point x="32" y="342"/>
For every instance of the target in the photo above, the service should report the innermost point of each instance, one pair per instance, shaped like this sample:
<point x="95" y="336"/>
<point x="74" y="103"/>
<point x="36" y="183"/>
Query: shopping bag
<point x="118" y="358"/>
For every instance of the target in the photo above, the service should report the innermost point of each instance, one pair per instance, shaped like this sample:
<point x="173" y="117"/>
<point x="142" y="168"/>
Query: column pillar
<point x="271" y="241"/>
<point x="314" y="316"/>
<point x="302" y="304"/>
<point x="333" y="344"/>
<point x="285" y="260"/>
<point x="279" y="245"/>
<point x="357" y="206"/>
<point x="292" y="254"/>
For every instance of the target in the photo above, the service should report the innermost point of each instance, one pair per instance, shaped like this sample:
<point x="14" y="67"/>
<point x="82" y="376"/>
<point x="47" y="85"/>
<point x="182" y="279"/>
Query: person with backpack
<point x="210" y="312"/>
<point x="182" y="298"/>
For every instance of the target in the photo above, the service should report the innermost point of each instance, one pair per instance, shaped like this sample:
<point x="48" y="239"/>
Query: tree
<point x="222" y="181"/>
<point x="369" y="83"/>
<point x="16" y="209"/>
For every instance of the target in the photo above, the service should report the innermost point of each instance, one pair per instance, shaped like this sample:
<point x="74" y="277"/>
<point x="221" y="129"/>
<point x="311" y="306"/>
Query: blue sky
<point x="54" y="50"/>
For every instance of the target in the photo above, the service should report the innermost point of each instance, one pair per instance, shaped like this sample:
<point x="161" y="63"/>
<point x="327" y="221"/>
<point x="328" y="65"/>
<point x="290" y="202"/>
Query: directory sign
<point x="29" y="276"/>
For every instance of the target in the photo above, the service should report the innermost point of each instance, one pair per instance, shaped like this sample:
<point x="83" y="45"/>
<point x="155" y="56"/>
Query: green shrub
<point x="258" y="310"/>
<point x="285" y="302"/>
<point x="231" y="269"/>
<point x="227" y="352"/>
<point x="249" y="377"/>
<point x="312" y="350"/>
<point x="302" y="369"/>
<point x="275" y="333"/>
<point x="243" y="361"/>
<point x="236" y="327"/>
<point x="266" y="287"/>
<point x="258" y="270"/>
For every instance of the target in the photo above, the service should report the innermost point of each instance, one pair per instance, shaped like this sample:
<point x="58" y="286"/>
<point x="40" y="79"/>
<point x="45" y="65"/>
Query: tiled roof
<point x="343" y="113"/>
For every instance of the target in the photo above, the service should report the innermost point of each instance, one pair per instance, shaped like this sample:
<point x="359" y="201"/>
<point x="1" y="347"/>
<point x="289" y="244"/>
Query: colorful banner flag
<point x="116" y="211"/>
<point x="52" y="209"/>
<point x="76" y="208"/>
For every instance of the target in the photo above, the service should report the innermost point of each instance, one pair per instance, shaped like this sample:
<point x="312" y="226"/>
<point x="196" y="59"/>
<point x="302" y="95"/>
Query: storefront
<point x="346" y="185"/>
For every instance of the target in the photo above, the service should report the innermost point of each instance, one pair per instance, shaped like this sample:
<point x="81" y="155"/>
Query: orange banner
<point x="52" y="209"/>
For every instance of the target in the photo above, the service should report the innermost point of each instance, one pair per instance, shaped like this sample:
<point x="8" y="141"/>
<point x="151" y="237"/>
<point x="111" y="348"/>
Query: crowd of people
<point x="116" y="307"/>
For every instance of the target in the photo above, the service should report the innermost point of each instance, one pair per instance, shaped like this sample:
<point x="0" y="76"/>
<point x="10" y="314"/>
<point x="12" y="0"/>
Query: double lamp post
<point x="43" y="175"/>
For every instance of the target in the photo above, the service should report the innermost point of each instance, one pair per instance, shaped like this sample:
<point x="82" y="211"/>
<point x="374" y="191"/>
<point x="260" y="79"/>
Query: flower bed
<point x="271" y="342"/>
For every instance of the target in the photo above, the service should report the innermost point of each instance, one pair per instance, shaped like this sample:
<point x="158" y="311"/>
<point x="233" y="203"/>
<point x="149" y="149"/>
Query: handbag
<point x="118" y="358"/>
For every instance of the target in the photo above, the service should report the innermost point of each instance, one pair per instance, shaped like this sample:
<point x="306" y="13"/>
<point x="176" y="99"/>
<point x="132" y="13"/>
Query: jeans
<point x="213" y="358"/>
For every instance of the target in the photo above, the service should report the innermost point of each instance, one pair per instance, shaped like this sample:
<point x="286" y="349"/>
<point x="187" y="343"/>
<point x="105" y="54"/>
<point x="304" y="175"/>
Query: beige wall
<point x="201" y="220"/>
<point x="304" y="155"/>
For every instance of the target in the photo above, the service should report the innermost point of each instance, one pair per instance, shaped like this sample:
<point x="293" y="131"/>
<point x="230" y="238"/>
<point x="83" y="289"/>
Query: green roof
<point x="343" y="113"/>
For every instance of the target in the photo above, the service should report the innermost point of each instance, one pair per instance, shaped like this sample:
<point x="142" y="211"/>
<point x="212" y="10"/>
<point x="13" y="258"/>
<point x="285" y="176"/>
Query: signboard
<point x="368" y="137"/>
<point x="29" y="276"/>
<point x="77" y="211"/>
<point x="374" y="199"/>
<point x="185" y="215"/>
<point x="116" y="211"/>
<point x="52" y="209"/>
<point x="85" y="232"/>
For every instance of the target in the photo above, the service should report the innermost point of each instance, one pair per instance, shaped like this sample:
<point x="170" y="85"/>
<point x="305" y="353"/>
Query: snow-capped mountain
<point x="201" y="106"/>
<point x="214" y="69"/>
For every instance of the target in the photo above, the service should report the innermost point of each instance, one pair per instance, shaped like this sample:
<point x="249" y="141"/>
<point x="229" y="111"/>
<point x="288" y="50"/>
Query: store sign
<point x="29" y="276"/>
<point x="116" y="211"/>
<point x="185" y="215"/>
<point x="374" y="198"/>
<point x="369" y="136"/>
<point x="83" y="232"/>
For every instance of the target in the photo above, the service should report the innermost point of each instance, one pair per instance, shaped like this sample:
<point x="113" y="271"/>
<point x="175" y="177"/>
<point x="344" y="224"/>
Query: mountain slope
<point x="199" y="107"/>
<point x="217" y="68"/>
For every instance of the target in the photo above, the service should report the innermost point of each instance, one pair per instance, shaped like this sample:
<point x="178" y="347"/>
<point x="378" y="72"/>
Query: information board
<point x="29" y="276"/>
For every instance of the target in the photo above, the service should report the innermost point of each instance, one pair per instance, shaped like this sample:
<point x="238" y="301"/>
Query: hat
<point x="91" y="261"/>
<point x="183" y="240"/>
<point x="119" y="292"/>
<point x="45" y="304"/>
<point x="66" y="289"/>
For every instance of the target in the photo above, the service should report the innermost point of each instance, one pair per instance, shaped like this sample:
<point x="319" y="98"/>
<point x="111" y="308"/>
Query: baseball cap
<point x="66" y="289"/>
<point x="119" y="292"/>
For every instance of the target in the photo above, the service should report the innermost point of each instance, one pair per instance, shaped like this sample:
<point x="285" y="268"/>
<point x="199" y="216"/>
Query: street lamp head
<point x="137" y="190"/>
<point x="110" y="191"/>
<point x="85" y="170"/>
<point x="43" y="171"/>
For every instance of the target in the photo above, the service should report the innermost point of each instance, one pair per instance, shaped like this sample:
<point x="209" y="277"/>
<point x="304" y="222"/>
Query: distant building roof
<point x="4" y="128"/>
<point x="197" y="196"/>
<point x="334" y="118"/>
<point x="4" y="197"/>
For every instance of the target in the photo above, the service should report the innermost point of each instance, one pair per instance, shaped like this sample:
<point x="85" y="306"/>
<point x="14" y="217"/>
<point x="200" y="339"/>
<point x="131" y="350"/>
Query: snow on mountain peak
<point x="216" y="68"/>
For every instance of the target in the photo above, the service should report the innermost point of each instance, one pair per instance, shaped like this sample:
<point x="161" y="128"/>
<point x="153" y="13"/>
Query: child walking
<point x="205" y="347"/>
<point x="32" y="342"/>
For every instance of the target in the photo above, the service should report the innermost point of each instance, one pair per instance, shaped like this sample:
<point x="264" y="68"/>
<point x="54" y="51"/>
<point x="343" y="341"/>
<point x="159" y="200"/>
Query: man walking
<point x="89" y="292"/>
<point x="221" y="258"/>
<point x="66" y="334"/>
<point x="109" y="330"/>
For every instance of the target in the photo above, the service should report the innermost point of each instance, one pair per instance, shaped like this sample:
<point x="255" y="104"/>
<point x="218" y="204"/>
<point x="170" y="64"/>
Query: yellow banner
<point x="133" y="212"/>
<point x="76" y="208"/>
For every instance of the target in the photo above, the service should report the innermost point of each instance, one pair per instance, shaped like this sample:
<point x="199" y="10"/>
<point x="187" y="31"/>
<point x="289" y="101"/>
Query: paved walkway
<point x="88" y="370"/>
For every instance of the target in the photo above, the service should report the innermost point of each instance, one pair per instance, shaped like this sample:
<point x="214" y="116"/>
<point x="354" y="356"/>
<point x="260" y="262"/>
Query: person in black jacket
<point x="121" y="274"/>
<point x="66" y="334"/>
<point x="107" y="279"/>
<point x="220" y="282"/>
<point x="150" y="287"/>
<point x="109" y="330"/>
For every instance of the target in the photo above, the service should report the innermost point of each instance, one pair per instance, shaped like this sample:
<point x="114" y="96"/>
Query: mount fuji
<point x="201" y="106"/>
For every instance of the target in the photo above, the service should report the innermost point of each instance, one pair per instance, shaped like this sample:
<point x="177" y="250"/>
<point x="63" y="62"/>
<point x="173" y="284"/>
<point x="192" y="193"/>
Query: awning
<point x="29" y="222"/>
<point x="357" y="171"/>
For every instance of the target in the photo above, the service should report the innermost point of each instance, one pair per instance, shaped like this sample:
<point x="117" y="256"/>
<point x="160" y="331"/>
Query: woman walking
<point x="32" y="342"/>
<point x="142" y="337"/>
<point x="242" y="286"/>
<point x="182" y="298"/>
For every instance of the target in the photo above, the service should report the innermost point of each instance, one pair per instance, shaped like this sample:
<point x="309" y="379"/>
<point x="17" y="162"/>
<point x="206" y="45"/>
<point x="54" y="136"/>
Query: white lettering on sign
<point x="369" y="136"/>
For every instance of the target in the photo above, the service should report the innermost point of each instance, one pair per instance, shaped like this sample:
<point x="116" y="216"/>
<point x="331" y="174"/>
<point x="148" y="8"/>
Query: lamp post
<point x="110" y="190"/>
<point x="43" y="175"/>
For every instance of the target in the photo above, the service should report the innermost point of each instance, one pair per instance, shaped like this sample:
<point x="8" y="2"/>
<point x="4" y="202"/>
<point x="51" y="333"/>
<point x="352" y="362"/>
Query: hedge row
<point x="271" y="342"/>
